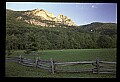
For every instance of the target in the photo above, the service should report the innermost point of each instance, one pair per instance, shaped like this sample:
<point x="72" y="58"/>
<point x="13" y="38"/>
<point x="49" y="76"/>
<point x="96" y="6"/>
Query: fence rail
<point x="52" y="65"/>
<point x="73" y="63"/>
<point x="106" y="62"/>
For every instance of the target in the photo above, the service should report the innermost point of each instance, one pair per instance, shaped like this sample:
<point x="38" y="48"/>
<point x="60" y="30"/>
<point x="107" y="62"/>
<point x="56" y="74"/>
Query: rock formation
<point x="39" y="14"/>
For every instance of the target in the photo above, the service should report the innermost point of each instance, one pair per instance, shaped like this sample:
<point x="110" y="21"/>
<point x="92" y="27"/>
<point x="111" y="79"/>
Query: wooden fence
<point x="53" y="66"/>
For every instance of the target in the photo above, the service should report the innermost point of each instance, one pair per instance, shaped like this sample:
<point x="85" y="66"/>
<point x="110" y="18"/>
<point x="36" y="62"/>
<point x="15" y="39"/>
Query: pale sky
<point x="80" y="13"/>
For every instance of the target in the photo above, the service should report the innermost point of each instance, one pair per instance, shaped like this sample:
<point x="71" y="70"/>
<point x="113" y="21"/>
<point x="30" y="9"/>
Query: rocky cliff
<point x="44" y="18"/>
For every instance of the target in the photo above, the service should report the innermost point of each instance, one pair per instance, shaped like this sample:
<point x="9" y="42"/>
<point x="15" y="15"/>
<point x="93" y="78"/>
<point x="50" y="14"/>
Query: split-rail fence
<point x="51" y="65"/>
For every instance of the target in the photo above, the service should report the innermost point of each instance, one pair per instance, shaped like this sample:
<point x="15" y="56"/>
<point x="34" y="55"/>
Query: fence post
<point x="20" y="59"/>
<point x="97" y="65"/>
<point x="36" y="62"/>
<point x="52" y="66"/>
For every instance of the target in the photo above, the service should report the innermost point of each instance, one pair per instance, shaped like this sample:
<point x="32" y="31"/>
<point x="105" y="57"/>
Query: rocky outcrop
<point x="40" y="12"/>
<point x="44" y="15"/>
<point x="64" y="20"/>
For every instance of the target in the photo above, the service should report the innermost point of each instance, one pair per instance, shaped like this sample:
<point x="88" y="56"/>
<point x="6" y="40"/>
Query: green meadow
<point x="13" y="69"/>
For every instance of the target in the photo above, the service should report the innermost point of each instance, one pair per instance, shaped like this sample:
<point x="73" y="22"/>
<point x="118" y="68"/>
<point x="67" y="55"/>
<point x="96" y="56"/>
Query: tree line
<point x="23" y="36"/>
<point x="42" y="38"/>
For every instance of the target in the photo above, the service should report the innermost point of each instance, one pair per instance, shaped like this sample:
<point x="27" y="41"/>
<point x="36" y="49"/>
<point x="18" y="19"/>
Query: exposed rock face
<point x="36" y="22"/>
<point x="44" y="15"/>
<point x="40" y="12"/>
<point x="64" y="20"/>
<point x="19" y="17"/>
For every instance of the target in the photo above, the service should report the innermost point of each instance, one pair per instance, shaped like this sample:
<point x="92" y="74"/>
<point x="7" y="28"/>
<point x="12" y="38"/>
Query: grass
<point x="16" y="70"/>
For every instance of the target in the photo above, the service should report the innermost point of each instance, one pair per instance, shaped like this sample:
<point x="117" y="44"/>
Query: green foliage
<point x="20" y="35"/>
<point x="9" y="52"/>
<point x="105" y="42"/>
<point x="28" y="51"/>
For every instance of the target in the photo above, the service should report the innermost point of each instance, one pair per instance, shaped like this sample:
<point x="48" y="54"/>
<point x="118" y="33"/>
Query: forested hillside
<point x="21" y="35"/>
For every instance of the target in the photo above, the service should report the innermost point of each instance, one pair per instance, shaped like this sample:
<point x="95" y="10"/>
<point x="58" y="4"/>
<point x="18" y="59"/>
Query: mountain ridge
<point x="22" y="35"/>
<point x="99" y="25"/>
<point x="42" y="18"/>
<point x="26" y="17"/>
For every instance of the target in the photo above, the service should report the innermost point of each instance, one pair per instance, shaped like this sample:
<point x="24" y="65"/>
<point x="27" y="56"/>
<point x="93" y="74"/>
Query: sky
<point x="79" y="13"/>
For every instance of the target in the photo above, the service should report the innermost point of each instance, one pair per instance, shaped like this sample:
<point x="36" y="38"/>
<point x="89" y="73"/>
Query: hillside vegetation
<point x="60" y="41"/>
<point x="21" y="35"/>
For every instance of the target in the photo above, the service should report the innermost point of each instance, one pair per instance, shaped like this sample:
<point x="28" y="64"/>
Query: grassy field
<point x="13" y="69"/>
